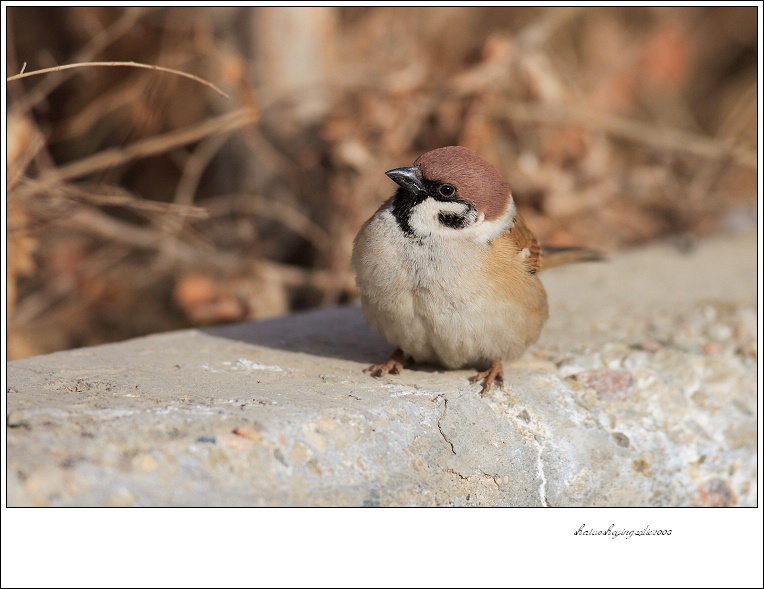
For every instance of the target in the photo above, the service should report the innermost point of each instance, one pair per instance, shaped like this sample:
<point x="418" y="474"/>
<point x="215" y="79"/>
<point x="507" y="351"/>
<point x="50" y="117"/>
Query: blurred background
<point x="141" y="201"/>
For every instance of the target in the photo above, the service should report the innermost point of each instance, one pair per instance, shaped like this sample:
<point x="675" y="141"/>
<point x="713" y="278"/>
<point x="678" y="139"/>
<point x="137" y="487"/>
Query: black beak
<point x="409" y="178"/>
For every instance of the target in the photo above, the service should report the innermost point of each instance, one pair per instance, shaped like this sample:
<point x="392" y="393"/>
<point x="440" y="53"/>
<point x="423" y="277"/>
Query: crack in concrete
<point x="493" y="478"/>
<point x="440" y="429"/>
<point x="460" y="475"/>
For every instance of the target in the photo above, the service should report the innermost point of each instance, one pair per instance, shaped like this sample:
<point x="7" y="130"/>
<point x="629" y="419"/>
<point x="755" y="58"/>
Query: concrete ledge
<point x="642" y="391"/>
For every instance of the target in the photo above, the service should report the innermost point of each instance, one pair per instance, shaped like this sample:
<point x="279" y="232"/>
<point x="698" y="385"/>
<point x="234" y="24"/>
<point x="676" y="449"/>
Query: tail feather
<point x="559" y="256"/>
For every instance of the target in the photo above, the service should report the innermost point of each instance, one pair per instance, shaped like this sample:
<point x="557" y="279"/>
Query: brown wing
<point x="527" y="242"/>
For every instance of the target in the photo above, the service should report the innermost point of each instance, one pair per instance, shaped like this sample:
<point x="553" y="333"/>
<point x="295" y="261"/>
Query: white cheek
<point x="424" y="221"/>
<point x="424" y="218"/>
<point x="484" y="231"/>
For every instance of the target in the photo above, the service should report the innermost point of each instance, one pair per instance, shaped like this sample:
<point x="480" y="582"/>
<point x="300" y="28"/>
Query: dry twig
<point x="108" y="35"/>
<point x="110" y="158"/>
<point x="158" y="68"/>
<point x="115" y="196"/>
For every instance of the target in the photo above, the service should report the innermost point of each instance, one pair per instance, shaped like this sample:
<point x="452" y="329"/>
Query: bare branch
<point x="116" y="156"/>
<point x="146" y="66"/>
<point x="116" y="196"/>
<point x="108" y="35"/>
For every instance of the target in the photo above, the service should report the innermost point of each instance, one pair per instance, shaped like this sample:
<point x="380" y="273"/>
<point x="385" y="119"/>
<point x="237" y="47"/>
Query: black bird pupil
<point x="447" y="190"/>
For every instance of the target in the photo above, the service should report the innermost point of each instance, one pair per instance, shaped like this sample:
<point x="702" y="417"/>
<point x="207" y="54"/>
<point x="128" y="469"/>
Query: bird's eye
<point x="447" y="190"/>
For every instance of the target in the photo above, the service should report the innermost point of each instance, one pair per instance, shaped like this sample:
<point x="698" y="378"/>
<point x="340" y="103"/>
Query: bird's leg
<point x="397" y="362"/>
<point x="494" y="373"/>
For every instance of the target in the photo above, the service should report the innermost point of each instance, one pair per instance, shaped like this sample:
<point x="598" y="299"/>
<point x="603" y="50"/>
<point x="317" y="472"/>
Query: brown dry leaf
<point x="205" y="301"/>
<point x="665" y="59"/>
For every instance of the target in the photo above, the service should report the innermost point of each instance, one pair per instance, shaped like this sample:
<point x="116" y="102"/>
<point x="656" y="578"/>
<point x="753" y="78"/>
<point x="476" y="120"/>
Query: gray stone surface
<point x="641" y="391"/>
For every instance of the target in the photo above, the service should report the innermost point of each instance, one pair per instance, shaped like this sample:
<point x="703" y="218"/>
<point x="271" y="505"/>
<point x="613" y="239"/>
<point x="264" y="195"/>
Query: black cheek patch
<point x="454" y="220"/>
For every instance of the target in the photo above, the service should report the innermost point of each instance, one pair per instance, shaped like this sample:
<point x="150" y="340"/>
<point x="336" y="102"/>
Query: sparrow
<point x="448" y="269"/>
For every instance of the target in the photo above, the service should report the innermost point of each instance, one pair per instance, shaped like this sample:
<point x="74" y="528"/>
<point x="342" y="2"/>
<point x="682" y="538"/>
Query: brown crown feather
<point x="474" y="178"/>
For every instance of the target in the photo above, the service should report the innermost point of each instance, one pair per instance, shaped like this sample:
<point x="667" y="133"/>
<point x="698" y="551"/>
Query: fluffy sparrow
<point x="447" y="268"/>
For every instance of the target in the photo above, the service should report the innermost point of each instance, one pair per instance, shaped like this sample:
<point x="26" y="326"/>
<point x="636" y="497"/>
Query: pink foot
<point x="494" y="373"/>
<point x="397" y="362"/>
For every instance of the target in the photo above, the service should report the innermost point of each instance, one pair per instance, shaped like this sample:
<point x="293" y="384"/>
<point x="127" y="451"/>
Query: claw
<point x="397" y="362"/>
<point x="494" y="373"/>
